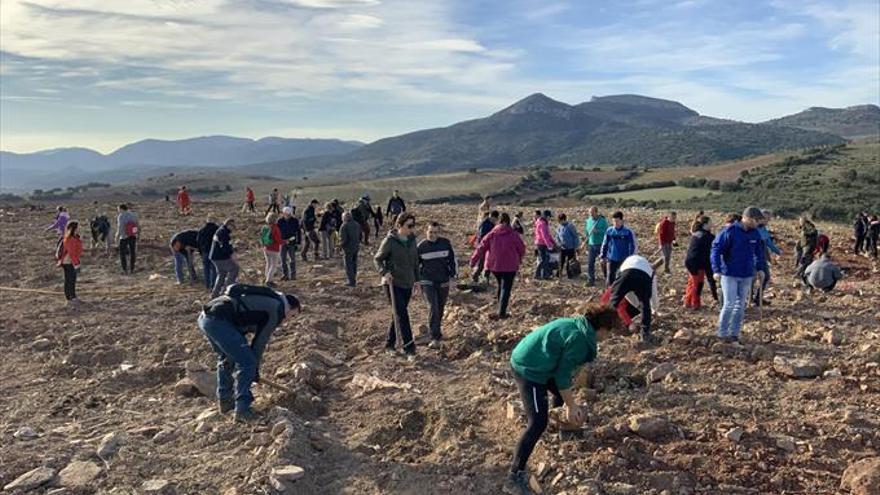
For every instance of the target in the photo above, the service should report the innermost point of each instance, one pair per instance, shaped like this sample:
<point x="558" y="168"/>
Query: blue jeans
<point x="351" y="267"/>
<point x="208" y="271"/>
<point x="543" y="269"/>
<point x="233" y="351"/>
<point x="595" y="250"/>
<point x="182" y="259"/>
<point x="736" y="293"/>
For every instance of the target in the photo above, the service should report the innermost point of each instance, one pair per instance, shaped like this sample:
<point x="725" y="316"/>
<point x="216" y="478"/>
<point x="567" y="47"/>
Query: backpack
<point x="131" y="229"/>
<point x="266" y="236"/>
<point x="573" y="268"/>
<point x="232" y="305"/>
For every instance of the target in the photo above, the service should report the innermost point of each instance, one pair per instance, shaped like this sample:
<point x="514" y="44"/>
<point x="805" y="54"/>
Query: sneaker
<point x="517" y="484"/>
<point x="246" y="416"/>
<point x="434" y="344"/>
<point x="390" y="351"/>
<point x="411" y="358"/>
<point x="225" y="405"/>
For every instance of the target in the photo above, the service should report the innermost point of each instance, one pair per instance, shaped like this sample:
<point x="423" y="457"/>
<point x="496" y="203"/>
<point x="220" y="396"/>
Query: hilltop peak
<point x="538" y="103"/>
<point x="643" y="101"/>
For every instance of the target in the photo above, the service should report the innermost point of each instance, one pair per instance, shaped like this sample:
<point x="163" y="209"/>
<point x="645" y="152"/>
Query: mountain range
<point x="78" y="164"/>
<point x="537" y="130"/>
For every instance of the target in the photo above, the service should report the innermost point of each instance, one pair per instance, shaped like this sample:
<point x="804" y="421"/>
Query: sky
<point x="101" y="74"/>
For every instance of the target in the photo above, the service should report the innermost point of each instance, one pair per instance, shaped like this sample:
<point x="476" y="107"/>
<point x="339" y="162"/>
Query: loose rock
<point x="110" y="445"/>
<point x="797" y="368"/>
<point x="649" y="426"/>
<point x="660" y="372"/>
<point x="862" y="477"/>
<point x="32" y="479"/>
<point x="78" y="474"/>
<point x="158" y="487"/>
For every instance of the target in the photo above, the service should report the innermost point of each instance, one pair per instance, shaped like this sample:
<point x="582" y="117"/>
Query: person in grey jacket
<point x="398" y="262"/>
<point x="350" y="241"/>
<point x="437" y="266"/>
<point x="127" y="231"/>
<point x="822" y="274"/>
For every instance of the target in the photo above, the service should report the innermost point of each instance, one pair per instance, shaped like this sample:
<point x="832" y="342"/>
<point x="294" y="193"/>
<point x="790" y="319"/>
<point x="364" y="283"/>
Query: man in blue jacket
<point x="618" y="245"/>
<point x="737" y="255"/>
<point x="486" y="226"/>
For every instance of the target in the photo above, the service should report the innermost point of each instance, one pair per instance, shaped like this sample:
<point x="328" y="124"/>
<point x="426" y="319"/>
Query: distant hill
<point x="538" y="130"/>
<point x="67" y="166"/>
<point x="851" y="122"/>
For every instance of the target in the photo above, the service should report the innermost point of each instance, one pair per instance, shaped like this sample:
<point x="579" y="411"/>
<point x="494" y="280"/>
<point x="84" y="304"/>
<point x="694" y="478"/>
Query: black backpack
<point x="233" y="302"/>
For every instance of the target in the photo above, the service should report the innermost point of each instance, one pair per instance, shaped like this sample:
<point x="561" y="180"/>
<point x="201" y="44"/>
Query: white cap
<point x="287" y="210"/>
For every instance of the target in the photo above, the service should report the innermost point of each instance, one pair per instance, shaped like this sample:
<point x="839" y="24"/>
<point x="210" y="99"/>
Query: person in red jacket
<point x="249" y="200"/>
<point x="665" y="231"/>
<point x="503" y="250"/>
<point x="68" y="259"/>
<point x="270" y="238"/>
<point x="183" y="201"/>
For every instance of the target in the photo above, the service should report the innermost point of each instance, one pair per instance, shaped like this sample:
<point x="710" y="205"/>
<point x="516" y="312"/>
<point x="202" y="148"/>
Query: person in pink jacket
<point x="544" y="243"/>
<point x="503" y="250"/>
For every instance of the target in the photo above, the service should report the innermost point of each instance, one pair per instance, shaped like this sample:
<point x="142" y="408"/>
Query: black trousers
<point x="504" y="290"/>
<point x="401" y="307"/>
<point x="127" y="249"/>
<point x="435" y="295"/>
<point x="564" y="256"/>
<point x="351" y="267"/>
<point x="69" y="282"/>
<point x="534" y="399"/>
<point x="613" y="267"/>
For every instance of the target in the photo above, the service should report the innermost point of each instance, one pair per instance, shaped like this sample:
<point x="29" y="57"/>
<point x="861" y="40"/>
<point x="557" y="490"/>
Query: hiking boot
<point x="517" y="484"/>
<point x="225" y="405"/>
<point x="434" y="344"/>
<point x="246" y="416"/>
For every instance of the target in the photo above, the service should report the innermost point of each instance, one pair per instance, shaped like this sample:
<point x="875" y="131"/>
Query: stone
<point x="34" y="478"/>
<point x="25" y="433"/>
<point x="40" y="345"/>
<point x="797" y="368"/>
<point x="158" y="487"/>
<point x="786" y="443"/>
<point x="110" y="444"/>
<point x="205" y="381"/>
<point x="833" y="373"/>
<point x="288" y="472"/>
<point x="208" y="414"/>
<point x="165" y="436"/>
<point x="543" y="469"/>
<point x="78" y="474"/>
<point x="734" y="434"/>
<point x="648" y="426"/>
<point x="621" y="489"/>
<point x="862" y="477"/>
<point x="186" y="388"/>
<point x="557" y="478"/>
<point x="761" y="353"/>
<point x="660" y="372"/>
<point x="281" y="426"/>
<point x="833" y="337"/>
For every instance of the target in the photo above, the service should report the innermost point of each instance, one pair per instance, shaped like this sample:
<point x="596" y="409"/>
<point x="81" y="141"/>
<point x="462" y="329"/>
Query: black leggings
<point x="534" y="397"/>
<point x="564" y="256"/>
<point x="505" y="288"/>
<point x="69" y="281"/>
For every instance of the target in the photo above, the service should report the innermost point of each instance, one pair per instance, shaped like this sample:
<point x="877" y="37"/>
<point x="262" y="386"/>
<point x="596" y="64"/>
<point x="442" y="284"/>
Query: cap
<point x="287" y="210"/>
<point x="753" y="212"/>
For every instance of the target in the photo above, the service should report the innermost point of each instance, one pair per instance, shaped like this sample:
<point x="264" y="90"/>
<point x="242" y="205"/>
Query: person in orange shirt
<point x="183" y="201"/>
<point x="68" y="259"/>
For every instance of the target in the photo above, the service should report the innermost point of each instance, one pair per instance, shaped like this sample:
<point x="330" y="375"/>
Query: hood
<point x="639" y="263"/>
<point x="502" y="230"/>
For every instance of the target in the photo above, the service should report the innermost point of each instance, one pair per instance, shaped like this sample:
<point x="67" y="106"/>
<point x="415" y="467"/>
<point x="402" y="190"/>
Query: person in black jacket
<point x="698" y="265"/>
<point x="860" y="232"/>
<point x="310" y="218"/>
<point x="486" y="226"/>
<point x="292" y="236"/>
<point x="395" y="207"/>
<point x="437" y="266"/>
<point x="327" y="229"/>
<point x="223" y="256"/>
<point x="634" y="291"/>
<point x="204" y="240"/>
<point x="225" y="322"/>
<point x="183" y="245"/>
<point x="378" y="219"/>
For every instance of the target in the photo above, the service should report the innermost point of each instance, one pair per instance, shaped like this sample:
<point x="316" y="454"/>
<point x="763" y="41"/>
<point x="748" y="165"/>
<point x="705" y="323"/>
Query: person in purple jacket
<point x="60" y="223"/>
<point x="737" y="255"/>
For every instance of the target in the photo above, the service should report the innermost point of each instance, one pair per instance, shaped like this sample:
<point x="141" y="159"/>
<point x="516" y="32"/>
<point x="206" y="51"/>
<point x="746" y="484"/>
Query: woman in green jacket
<point x="545" y="361"/>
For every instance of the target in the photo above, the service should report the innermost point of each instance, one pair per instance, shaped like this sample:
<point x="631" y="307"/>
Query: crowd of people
<point x="738" y="259"/>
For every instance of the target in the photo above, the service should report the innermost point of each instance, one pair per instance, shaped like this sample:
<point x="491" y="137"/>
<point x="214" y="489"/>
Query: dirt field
<point x="725" y="172"/>
<point x="448" y="423"/>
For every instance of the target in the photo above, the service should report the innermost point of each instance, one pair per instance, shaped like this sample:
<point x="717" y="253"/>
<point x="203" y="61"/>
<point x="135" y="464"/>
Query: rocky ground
<point x="93" y="401"/>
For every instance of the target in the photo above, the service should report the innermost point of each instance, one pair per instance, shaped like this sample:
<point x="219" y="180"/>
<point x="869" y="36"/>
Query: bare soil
<point x="451" y="423"/>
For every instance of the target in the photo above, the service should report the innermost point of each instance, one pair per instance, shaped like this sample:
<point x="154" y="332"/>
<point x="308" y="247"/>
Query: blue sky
<point x="101" y="74"/>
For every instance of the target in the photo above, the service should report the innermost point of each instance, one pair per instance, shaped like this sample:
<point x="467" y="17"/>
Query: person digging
<point x="545" y="361"/>
<point x="225" y="321"/>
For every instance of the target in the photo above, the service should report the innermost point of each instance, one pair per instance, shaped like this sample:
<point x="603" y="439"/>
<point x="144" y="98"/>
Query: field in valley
<point x="446" y="424"/>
